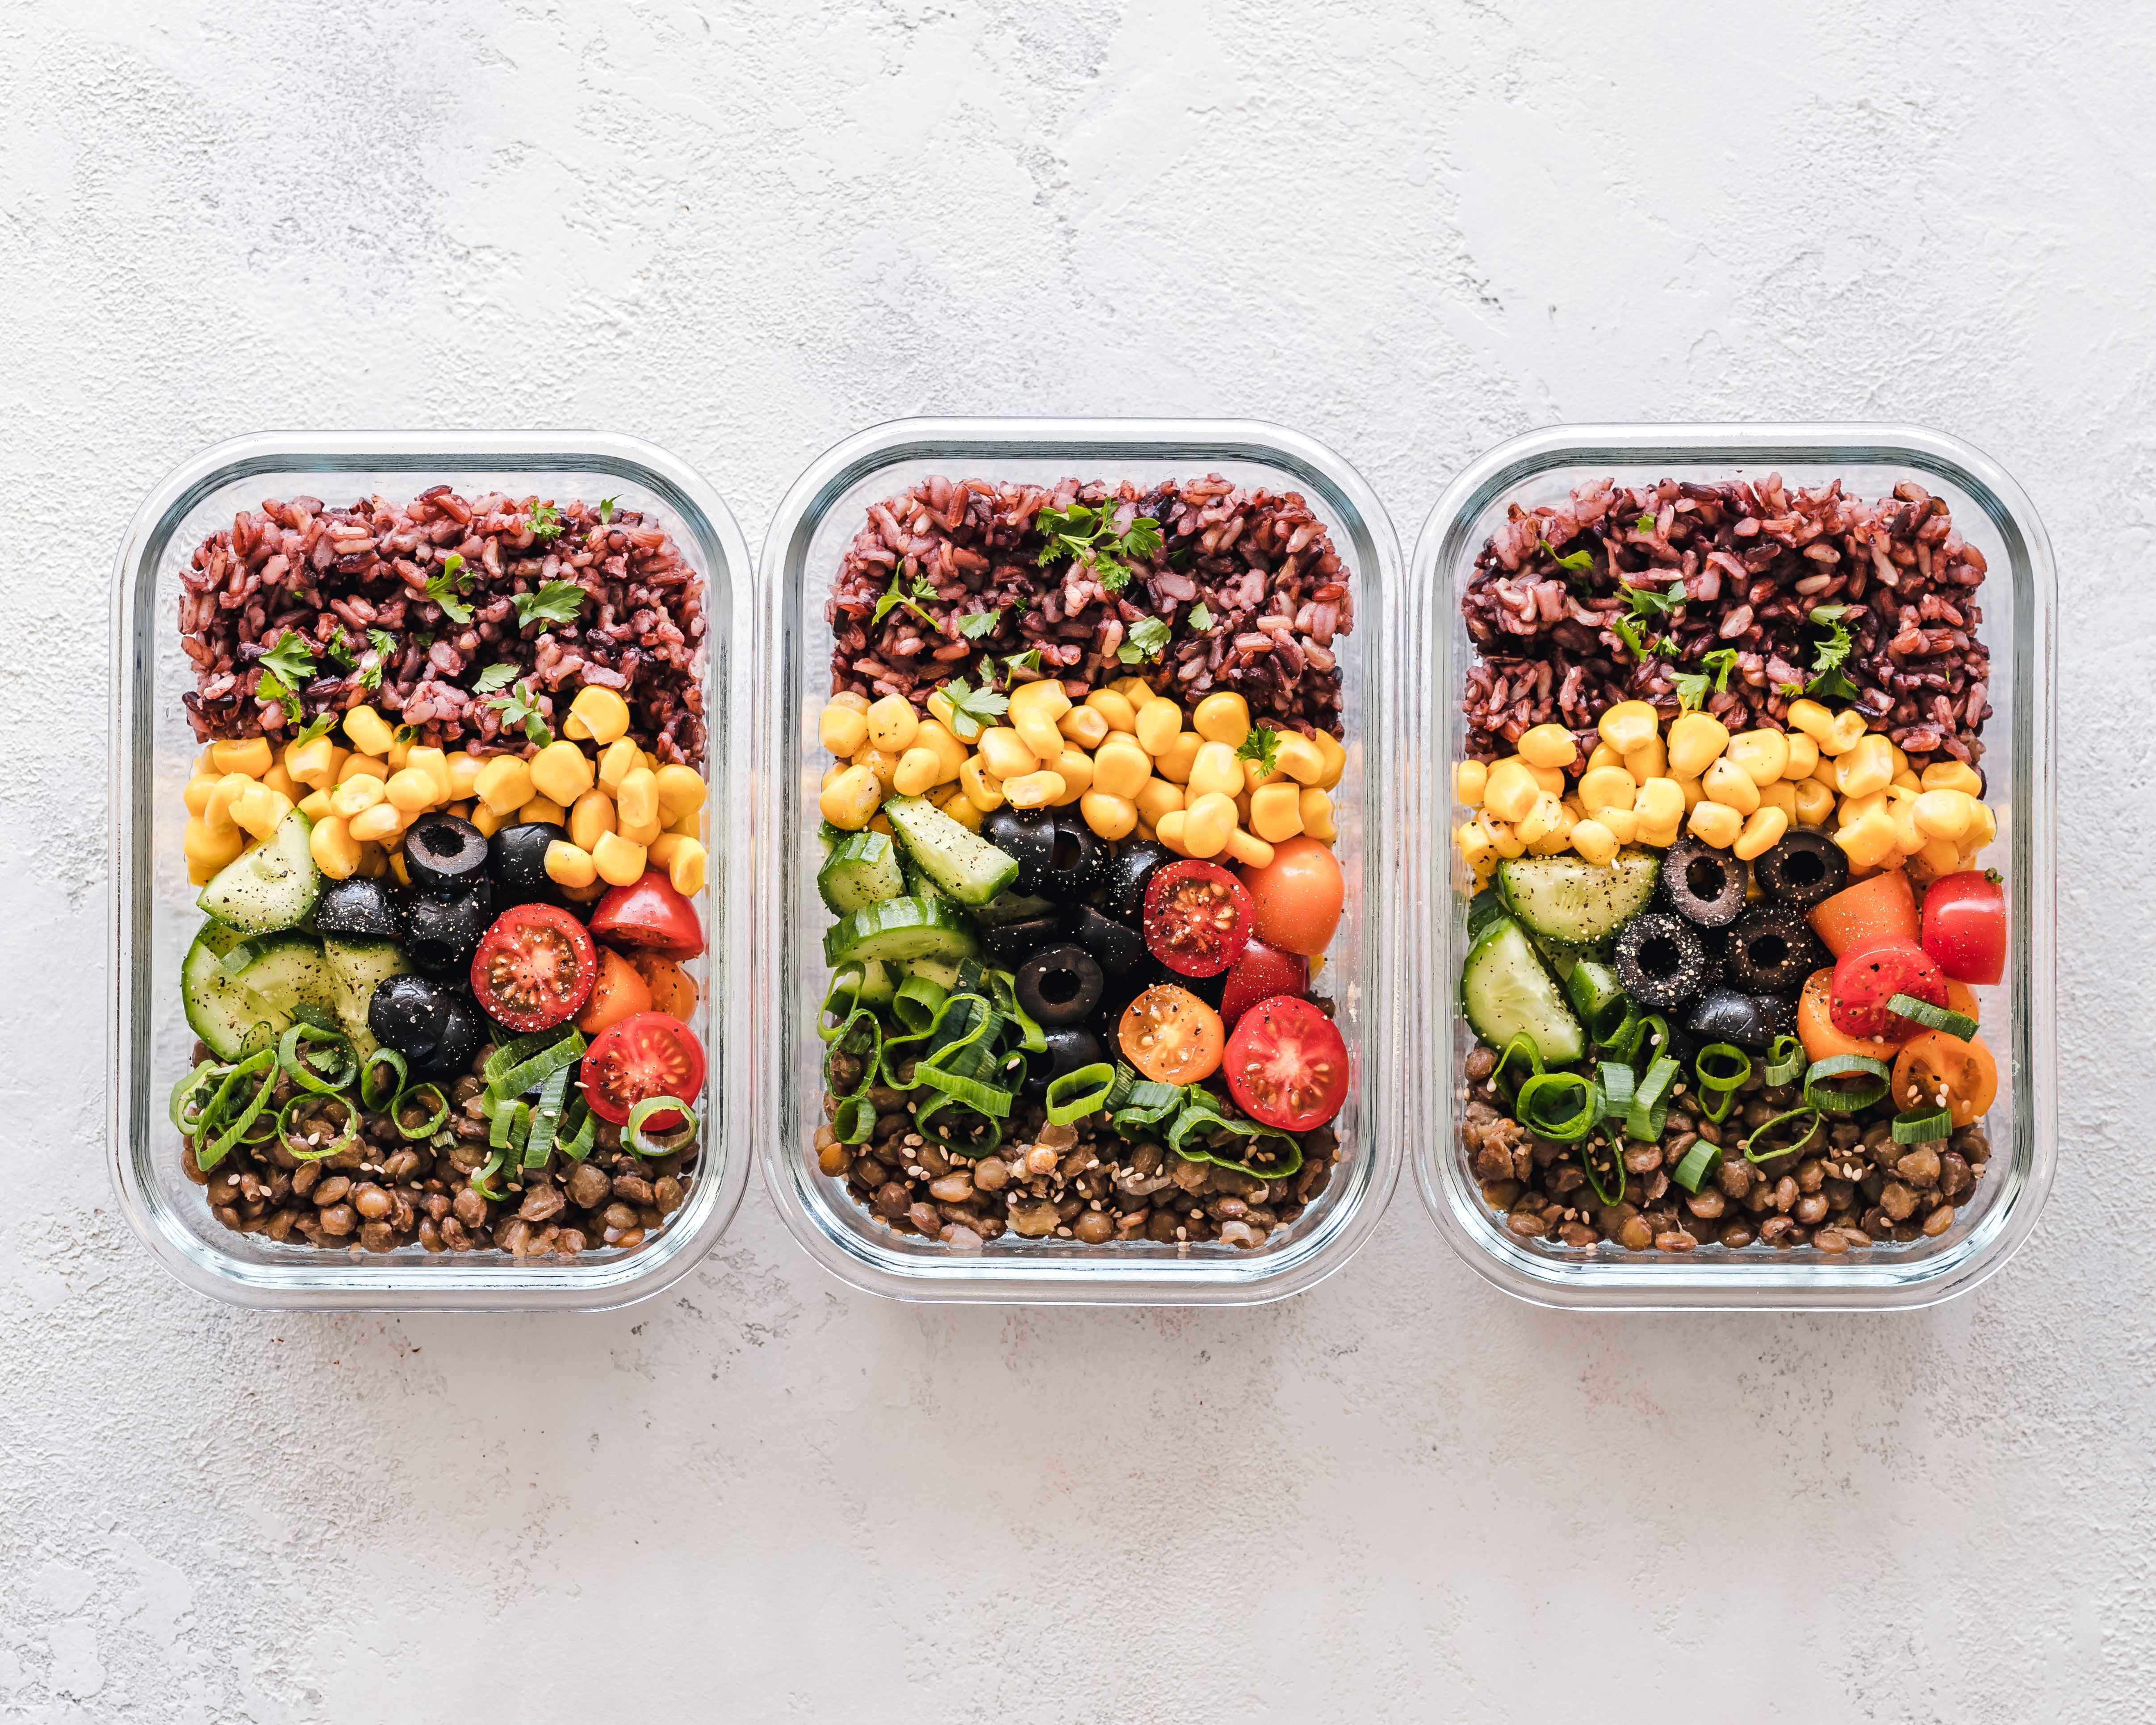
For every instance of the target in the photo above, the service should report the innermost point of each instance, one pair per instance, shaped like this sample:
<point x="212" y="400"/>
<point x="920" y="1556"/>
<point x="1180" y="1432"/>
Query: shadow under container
<point x="819" y="519"/>
<point x="153" y="906"/>
<point x="2019" y="1017"/>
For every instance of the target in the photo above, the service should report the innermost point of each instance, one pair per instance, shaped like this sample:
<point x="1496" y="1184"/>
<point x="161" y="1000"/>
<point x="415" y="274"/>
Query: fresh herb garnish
<point x="444" y="588"/>
<point x="972" y="709"/>
<point x="405" y="733"/>
<point x="546" y="522"/>
<point x="1651" y="602"/>
<point x="1148" y="639"/>
<point x="270" y="687"/>
<point x="520" y="706"/>
<point x="1645" y="523"/>
<point x="382" y="641"/>
<point x="317" y="726"/>
<point x="897" y="593"/>
<point x="1262" y="746"/>
<point x="495" y="677"/>
<point x="1829" y="654"/>
<point x="556" y="602"/>
<point x="1580" y="562"/>
<point x="1028" y="660"/>
<point x="335" y="650"/>
<point x="1080" y="534"/>
<point x="606" y="509"/>
<point x="1198" y="618"/>
<point x="980" y="624"/>
<point x="1630" y="635"/>
<point x="1691" y="685"/>
<point x="291" y="659"/>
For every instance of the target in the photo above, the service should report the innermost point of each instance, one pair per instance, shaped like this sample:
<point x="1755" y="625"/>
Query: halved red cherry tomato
<point x="1297" y="896"/>
<point x="1965" y="925"/>
<point x="649" y="914"/>
<point x="534" y="968"/>
<point x="1870" y="975"/>
<point x="1197" y="918"/>
<point x="1262" y="972"/>
<point x="1171" y="1035"/>
<point x="651" y="1054"/>
<point x="1286" y="1065"/>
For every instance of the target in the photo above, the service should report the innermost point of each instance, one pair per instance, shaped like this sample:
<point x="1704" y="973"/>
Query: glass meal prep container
<point x="819" y="518"/>
<point x="2018" y="1016"/>
<point x="153" y="906"/>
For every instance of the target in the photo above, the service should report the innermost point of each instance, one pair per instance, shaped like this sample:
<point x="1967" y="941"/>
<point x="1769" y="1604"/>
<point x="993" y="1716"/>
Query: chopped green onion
<point x="511" y="1122"/>
<point x="1072" y="1096"/>
<point x="481" y="1182"/>
<point x="1771" y="1152"/>
<point x="1617" y="1083"/>
<point x="1603" y="1195"/>
<point x="938" y="1122"/>
<point x="853" y="1120"/>
<point x="533" y="1070"/>
<point x="1650" y="1108"/>
<point x="1598" y="997"/>
<point x="577" y="1145"/>
<point x="546" y="1118"/>
<point x="376" y="1100"/>
<point x="632" y="1135"/>
<point x="262" y="1065"/>
<point x="841" y="997"/>
<point x="1698" y="1163"/>
<point x="1710" y="1080"/>
<point x="1557" y="1105"/>
<point x="1836" y="1099"/>
<point x="326" y="1075"/>
<point x="1785" y="1062"/>
<point x="915" y="1003"/>
<point x="302" y="1148"/>
<point x="1934" y="1018"/>
<point x="976" y="1093"/>
<point x="197" y="1083"/>
<point x="1141" y="1102"/>
<point x="1521" y="1044"/>
<point x="1921" y="1126"/>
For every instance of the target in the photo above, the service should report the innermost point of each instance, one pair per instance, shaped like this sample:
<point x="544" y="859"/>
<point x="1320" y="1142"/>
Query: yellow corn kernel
<point x="1693" y="793"/>
<point x="639" y="832"/>
<point x="965" y="813"/>
<point x="1085" y="725"/>
<point x="590" y="816"/>
<point x="1335" y="756"/>
<point x="1510" y="790"/>
<point x="1222" y="716"/>
<point x="1469" y="777"/>
<point x="312" y="762"/>
<point x="1038" y="730"/>
<point x="1502" y="838"/>
<point x="1909" y="838"/>
<point x="1116" y="708"/>
<point x="616" y="762"/>
<point x="658" y="854"/>
<point x="1550" y="778"/>
<point x="1622" y="824"/>
<point x="617" y="861"/>
<point x="1716" y="824"/>
<point x="561" y="772"/>
<point x="1627" y="725"/>
<point x="196" y="796"/>
<point x="1248" y="849"/>
<point x="355" y="795"/>
<point x="367" y="731"/>
<point x="465" y="770"/>
<point x="1158" y="797"/>
<point x="216" y="807"/>
<point x="1593" y="841"/>
<point x="1846" y="731"/>
<point x="1650" y="760"/>
<point x="1298" y="756"/>
<point x="1074" y="767"/>
<point x="1136" y="690"/>
<point x="1277" y="812"/>
<point x="1904" y="779"/>
<point x="487" y="820"/>
<point x="1607" y="786"/>
<point x="1169" y="832"/>
<point x="1869" y="840"/>
<point x="1475" y="846"/>
<point x="851" y="701"/>
<point x="1214" y="767"/>
<point x="400" y="747"/>
<point x="279" y="780"/>
<point x="359" y="765"/>
<point x="983" y="790"/>
<point x="1207" y="823"/>
<point x="1039" y="789"/>
<point x="1175" y="761"/>
<point x="257" y="810"/>
<point x="1006" y="755"/>
<point x="841" y="729"/>
<point x="915" y="773"/>
<point x="1111" y="817"/>
<point x="209" y="849"/>
<point x="1659" y="802"/>
<point x="1695" y="740"/>
<point x="1316" y="807"/>
<point x="569" y="865"/>
<point x="1811" y="718"/>
<point x="851" y="798"/>
<point x="950" y="753"/>
<point x="1804" y="756"/>
<point x="1046" y="695"/>
<point x="377" y="825"/>
<point x="1952" y="775"/>
<point x="686" y="868"/>
<point x="1945" y="814"/>
<point x="881" y="762"/>
<point x="682" y="789"/>
<point x="1814" y="802"/>
<point x="315" y="805"/>
<point x="1762" y="832"/>
<point x="691" y="825"/>
<point x="504" y="784"/>
<point x="596" y="715"/>
<point x="1782" y="795"/>
<point x="400" y="868"/>
<point x="248" y="755"/>
<point x="1120" y="766"/>
<point x="335" y="850"/>
<point x="1983" y="828"/>
<point x="1865" y="766"/>
<point x="1854" y="809"/>
<point x="1661" y="838"/>
<point x="639" y="799"/>
<point x="1602" y="755"/>
<point x="412" y="789"/>
<point x="1549" y="745"/>
<point x="1546" y="817"/>
<point x="1159" y="723"/>
<point x="435" y="765"/>
<point x="542" y="810"/>
<point x="1763" y="753"/>
<point x="1729" y="784"/>
<point x="891" y="723"/>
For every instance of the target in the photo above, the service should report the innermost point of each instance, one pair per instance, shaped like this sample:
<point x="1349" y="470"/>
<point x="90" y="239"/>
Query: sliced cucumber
<point x="918" y="884"/>
<point x="1012" y="907"/>
<point x="219" y="1009"/>
<point x="1596" y="995"/>
<point x="900" y="928"/>
<point x="356" y="967"/>
<point x="271" y="886"/>
<point x="879" y="982"/>
<point x="239" y="993"/>
<point x="1504" y="989"/>
<point x="942" y="972"/>
<point x="1572" y="900"/>
<point x="862" y="869"/>
<point x="955" y="858"/>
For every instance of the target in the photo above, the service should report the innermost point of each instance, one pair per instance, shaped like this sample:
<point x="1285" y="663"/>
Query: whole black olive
<point x="1724" y="1015"/>
<point x="1702" y="885"/>
<point x="1126" y="874"/>
<point x="441" y="853"/>
<point x="1116" y="945"/>
<point x="1008" y="945"/>
<point x="1074" y="858"/>
<point x="433" y="1024"/>
<point x="442" y="933"/>
<point x="359" y="907"/>
<point x="1028" y="835"/>
<point x="1804" y="868"/>
<point x="1069" y="1048"/>
<point x="1771" y="951"/>
<point x="1660" y="960"/>
<point x="517" y="858"/>
<point x="1058" y="986"/>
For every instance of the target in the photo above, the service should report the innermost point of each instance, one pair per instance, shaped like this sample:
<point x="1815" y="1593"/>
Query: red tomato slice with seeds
<point x="652" y="1055"/>
<point x="534" y="968"/>
<point x="1870" y="975"/>
<point x="1197" y="918"/>
<point x="1286" y="1065"/>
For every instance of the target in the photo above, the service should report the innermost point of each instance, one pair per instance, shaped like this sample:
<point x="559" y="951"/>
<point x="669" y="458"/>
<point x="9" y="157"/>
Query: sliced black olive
<point x="1069" y="1048"/>
<point x="516" y="858"/>
<point x="1126" y="875"/>
<point x="433" y="1024"/>
<point x="1771" y="951"/>
<point x="1724" y="1015"/>
<point x="1116" y="945"/>
<point x="1076" y="856"/>
<point x="442" y="933"/>
<point x="1010" y="944"/>
<point x="1660" y="960"/>
<point x="1702" y="885"/>
<point x="360" y="907"/>
<point x="442" y="852"/>
<point x="1058" y="986"/>
<point x="1027" y="834"/>
<point x="1804" y="869"/>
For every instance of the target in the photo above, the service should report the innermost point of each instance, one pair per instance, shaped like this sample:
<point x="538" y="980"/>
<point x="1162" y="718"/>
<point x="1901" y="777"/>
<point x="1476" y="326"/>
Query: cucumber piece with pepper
<point x="958" y="859"/>
<point x="1504" y="989"/>
<point x="1570" y="900"/>
<point x="899" y="928"/>
<point x="267" y="886"/>
<point x="862" y="869"/>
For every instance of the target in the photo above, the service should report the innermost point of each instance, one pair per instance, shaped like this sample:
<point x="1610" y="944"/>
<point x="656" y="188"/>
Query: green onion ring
<point x="262" y="1064"/>
<point x="378" y="1102"/>
<point x="632" y="1137"/>
<point x="1141" y="1102"/>
<point x="1773" y="1153"/>
<point x="1698" y="1163"/>
<point x="1618" y="1040"/>
<point x="507" y="1129"/>
<point x="481" y="1181"/>
<point x="935" y="1122"/>
<point x="1714" y="1105"/>
<point x="1651" y="1109"/>
<point x="300" y="1148"/>
<point x="1617" y="1083"/>
<point x="529" y="1072"/>
<point x="577" y="1145"/>
<point x="546" y="1118"/>
<point x="1072" y="1096"/>
<point x="1785" y="1062"/>
<point x="853" y="1119"/>
<point x="1602" y="1196"/>
<point x="1922" y="1125"/>
<point x="1557" y="1105"/>
<point x="1958" y="1024"/>
<point x="1835" y="1100"/>
<point x="305" y="1072"/>
<point x="982" y="1098"/>
<point x="186" y="1091"/>
<point x="843" y="997"/>
<point x="1521" y="1044"/>
<point x="916" y="1003"/>
<point x="1722" y="1080"/>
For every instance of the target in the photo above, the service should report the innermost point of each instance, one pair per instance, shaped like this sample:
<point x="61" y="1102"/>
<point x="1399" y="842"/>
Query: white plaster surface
<point x="742" y="230"/>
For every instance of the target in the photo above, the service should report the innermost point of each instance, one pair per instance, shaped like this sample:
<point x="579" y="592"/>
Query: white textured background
<point x="742" y="230"/>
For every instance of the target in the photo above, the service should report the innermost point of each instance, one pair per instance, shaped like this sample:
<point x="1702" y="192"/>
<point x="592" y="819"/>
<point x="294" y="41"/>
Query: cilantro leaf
<point x="1645" y="523"/>
<point x="1829" y="656"/>
<point x="972" y="709"/>
<point x="1580" y="562"/>
<point x="1622" y="626"/>
<point x="381" y="649"/>
<point x="335" y="650"/>
<point x="546" y="522"/>
<point x="606" y="509"/>
<point x="1651" y="602"/>
<point x="1079" y="535"/>
<point x="1148" y="639"/>
<point x="270" y="687"/>
<point x="556" y="602"/>
<point x="1262" y="746"/>
<point x="292" y="659"/>
<point x="1691" y="685"/>
<point x="1028" y="660"/>
<point x="519" y="705"/>
<point x="382" y="641"/>
<point x="494" y="677"/>
<point x="980" y="624"/>
<point x="317" y="726"/>
<point x="1198" y="618"/>
<point x="444" y="588"/>
<point x="897" y="594"/>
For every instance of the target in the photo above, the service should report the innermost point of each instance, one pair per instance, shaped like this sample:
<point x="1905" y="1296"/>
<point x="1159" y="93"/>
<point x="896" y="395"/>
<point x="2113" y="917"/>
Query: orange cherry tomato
<point x="1816" y="1027"/>
<point x="1171" y="1035"/>
<point x="620" y="993"/>
<point x="673" y="990"/>
<point x="1298" y="896"/>
<point x="1934" y="1062"/>
<point x="1962" y="999"/>
<point x="1884" y="905"/>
